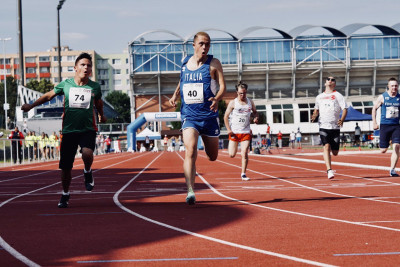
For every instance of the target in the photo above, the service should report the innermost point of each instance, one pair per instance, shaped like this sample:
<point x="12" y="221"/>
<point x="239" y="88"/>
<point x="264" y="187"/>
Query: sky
<point x="108" y="26"/>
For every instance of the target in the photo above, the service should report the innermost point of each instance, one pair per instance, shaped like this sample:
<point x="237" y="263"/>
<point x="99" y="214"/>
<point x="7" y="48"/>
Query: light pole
<point x="59" y="6"/>
<point x="6" y="105"/>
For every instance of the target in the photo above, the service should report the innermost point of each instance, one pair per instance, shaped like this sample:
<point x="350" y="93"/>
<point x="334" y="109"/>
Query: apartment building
<point x="113" y="72"/>
<point x="44" y="65"/>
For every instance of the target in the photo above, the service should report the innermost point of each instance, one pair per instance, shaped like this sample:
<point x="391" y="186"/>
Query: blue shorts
<point x="207" y="127"/>
<point x="298" y="139"/>
<point x="389" y="132"/>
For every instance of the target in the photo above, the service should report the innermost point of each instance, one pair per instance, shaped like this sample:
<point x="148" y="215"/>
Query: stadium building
<point x="285" y="71"/>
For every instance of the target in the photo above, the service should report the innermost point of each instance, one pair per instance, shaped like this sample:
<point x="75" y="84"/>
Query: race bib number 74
<point x="79" y="97"/>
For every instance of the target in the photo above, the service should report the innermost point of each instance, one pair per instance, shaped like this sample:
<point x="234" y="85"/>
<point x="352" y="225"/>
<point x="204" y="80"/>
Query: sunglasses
<point x="331" y="79"/>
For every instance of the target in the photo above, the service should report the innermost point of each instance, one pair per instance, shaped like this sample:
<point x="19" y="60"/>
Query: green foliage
<point x="43" y="86"/>
<point x="122" y="105"/>
<point x="12" y="94"/>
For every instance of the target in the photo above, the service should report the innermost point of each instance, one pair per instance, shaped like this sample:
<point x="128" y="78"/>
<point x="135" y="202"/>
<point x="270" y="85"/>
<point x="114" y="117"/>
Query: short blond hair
<point x="201" y="34"/>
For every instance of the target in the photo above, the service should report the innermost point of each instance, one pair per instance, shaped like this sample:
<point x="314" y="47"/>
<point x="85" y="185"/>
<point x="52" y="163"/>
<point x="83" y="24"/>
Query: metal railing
<point x="21" y="151"/>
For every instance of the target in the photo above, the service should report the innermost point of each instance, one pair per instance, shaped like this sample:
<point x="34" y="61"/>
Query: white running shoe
<point x="331" y="174"/>
<point x="245" y="178"/>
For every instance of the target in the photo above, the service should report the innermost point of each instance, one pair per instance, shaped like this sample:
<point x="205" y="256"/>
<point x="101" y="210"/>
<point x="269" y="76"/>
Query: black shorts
<point x="330" y="136"/>
<point x="69" y="146"/>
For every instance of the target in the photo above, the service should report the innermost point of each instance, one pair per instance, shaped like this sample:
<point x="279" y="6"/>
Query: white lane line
<point x="298" y="213"/>
<point x="14" y="252"/>
<point x="157" y="260"/>
<point x="270" y="253"/>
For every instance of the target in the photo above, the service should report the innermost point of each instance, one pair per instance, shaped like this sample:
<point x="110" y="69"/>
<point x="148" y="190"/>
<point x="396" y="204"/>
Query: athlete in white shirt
<point x="237" y="121"/>
<point x="328" y="106"/>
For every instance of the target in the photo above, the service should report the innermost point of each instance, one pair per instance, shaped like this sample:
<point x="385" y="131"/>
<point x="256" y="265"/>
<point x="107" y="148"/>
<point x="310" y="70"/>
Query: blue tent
<point x="355" y="115"/>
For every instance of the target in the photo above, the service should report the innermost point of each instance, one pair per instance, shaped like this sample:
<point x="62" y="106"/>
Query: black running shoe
<point x="63" y="201"/>
<point x="89" y="182"/>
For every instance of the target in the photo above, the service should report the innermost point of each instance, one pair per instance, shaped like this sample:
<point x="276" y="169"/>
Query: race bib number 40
<point x="79" y="97"/>
<point x="193" y="93"/>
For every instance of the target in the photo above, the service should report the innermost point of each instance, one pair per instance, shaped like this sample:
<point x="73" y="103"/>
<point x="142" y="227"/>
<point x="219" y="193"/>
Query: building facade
<point x="285" y="71"/>
<point x="113" y="72"/>
<point x="44" y="65"/>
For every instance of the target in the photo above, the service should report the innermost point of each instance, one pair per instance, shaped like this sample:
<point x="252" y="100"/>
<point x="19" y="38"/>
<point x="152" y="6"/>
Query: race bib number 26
<point x="79" y="97"/>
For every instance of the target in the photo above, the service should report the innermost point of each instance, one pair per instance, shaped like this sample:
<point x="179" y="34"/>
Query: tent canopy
<point x="355" y="115"/>
<point x="147" y="132"/>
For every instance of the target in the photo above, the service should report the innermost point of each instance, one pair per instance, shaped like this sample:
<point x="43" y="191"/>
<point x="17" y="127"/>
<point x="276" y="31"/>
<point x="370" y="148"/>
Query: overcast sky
<point x="107" y="26"/>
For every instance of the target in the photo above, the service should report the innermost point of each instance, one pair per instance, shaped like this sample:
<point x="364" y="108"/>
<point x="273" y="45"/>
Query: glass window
<point x="260" y="107"/>
<point x="116" y="61"/>
<point x="303" y="105"/>
<point x="368" y="103"/>
<point x="288" y="116"/>
<point x="287" y="106"/>
<point x="44" y="69"/>
<point x="30" y="70"/>
<point x="71" y="58"/>
<point x="277" y="116"/>
<point x="304" y="116"/>
<point x="357" y="104"/>
<point x="117" y="82"/>
<point x="116" y="71"/>
<point x="30" y="59"/>
<point x="44" y="59"/>
<point x="276" y="106"/>
<point x="70" y="69"/>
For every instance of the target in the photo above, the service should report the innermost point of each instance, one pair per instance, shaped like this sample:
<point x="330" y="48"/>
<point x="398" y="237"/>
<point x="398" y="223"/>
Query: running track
<point x="289" y="214"/>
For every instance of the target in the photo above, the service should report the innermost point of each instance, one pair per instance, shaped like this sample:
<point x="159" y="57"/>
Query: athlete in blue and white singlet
<point x="389" y="127"/>
<point x="200" y="75"/>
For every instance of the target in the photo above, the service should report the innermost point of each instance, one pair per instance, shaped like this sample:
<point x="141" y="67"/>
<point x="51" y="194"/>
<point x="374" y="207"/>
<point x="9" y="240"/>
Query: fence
<point x="17" y="151"/>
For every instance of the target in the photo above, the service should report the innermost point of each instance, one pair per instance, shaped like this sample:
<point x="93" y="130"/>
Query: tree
<point x="12" y="94"/>
<point x="43" y="86"/>
<point x="122" y="105"/>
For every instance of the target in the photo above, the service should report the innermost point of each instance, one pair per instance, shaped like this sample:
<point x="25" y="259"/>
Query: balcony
<point x="44" y="75"/>
<point x="44" y="64"/>
<point x="30" y="65"/>
<point x="31" y="75"/>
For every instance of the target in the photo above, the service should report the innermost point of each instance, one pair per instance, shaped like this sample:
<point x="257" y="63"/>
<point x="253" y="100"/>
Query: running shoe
<point x="191" y="199"/>
<point x="331" y="174"/>
<point x="63" y="201"/>
<point x="393" y="173"/>
<point x="245" y="178"/>
<point x="89" y="181"/>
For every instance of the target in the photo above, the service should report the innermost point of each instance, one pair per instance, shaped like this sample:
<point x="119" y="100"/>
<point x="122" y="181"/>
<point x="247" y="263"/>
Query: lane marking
<point x="216" y="240"/>
<point x="368" y="254"/>
<point x="157" y="260"/>
<point x="293" y="212"/>
<point x="14" y="252"/>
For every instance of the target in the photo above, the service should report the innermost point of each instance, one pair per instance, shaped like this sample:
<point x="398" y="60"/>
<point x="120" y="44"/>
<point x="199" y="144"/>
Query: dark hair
<point x="392" y="79"/>
<point x="83" y="55"/>
<point x="241" y="85"/>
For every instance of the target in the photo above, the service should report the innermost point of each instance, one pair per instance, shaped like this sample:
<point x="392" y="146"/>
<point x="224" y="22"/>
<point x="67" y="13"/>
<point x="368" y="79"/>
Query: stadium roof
<point x="346" y="31"/>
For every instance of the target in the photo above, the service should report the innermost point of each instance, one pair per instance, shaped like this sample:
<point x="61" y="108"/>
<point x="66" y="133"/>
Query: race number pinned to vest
<point x="392" y="112"/>
<point x="193" y="93"/>
<point x="241" y="120"/>
<point x="79" y="97"/>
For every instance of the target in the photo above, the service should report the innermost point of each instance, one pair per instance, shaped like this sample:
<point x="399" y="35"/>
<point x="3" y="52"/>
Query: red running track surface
<point x="288" y="214"/>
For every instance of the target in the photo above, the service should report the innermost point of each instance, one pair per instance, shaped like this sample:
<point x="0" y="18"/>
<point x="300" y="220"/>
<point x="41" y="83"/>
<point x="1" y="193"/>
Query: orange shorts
<point x="240" y="137"/>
